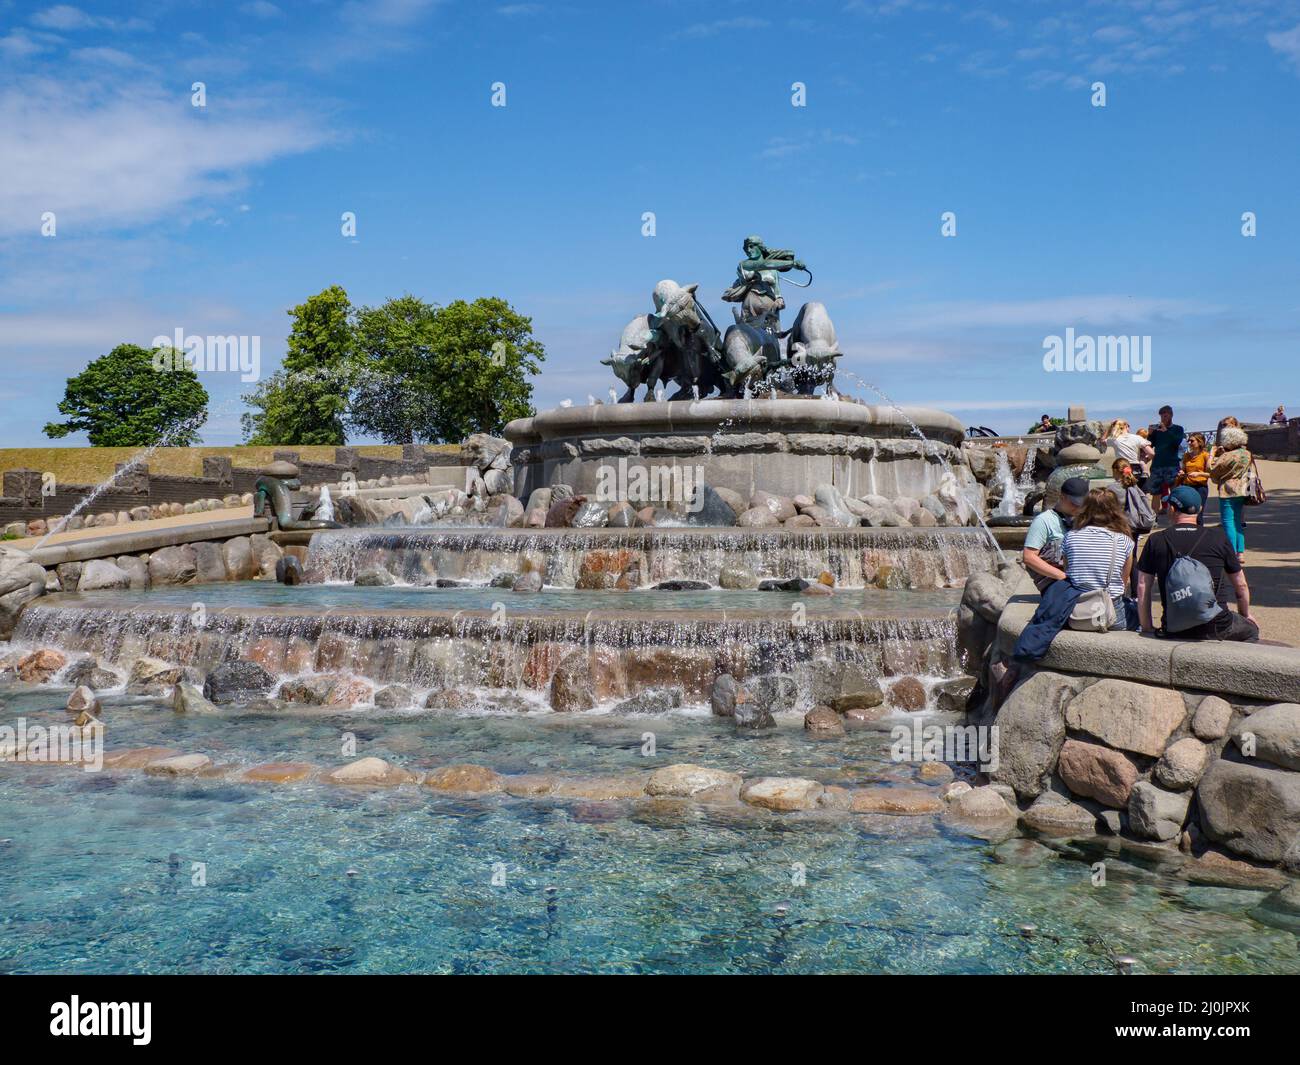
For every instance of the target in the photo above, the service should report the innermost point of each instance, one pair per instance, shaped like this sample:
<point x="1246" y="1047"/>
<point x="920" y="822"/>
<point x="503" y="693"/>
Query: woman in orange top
<point x="1196" y="471"/>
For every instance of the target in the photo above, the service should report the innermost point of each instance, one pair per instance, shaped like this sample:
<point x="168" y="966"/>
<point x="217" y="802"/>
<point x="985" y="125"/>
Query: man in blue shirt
<point x="1043" y="539"/>
<point x="1166" y="439"/>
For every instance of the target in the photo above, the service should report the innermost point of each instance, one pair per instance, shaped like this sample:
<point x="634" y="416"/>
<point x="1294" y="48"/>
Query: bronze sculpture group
<point x="680" y="343"/>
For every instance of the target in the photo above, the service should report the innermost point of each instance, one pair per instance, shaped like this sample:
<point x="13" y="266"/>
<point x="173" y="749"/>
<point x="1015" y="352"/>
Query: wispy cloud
<point x="128" y="153"/>
<point x="725" y="25"/>
<point x="1287" y="45"/>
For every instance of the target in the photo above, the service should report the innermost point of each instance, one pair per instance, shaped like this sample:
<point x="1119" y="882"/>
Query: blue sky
<point x="1117" y="220"/>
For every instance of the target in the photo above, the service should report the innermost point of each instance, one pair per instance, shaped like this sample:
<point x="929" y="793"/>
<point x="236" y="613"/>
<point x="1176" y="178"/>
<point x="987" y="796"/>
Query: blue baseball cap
<point x="1185" y="500"/>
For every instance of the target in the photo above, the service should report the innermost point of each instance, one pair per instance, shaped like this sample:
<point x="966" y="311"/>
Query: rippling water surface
<point x="97" y="870"/>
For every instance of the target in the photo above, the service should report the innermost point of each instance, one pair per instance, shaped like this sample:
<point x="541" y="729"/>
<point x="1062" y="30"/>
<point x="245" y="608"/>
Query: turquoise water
<point x="96" y="869"/>
<point x="870" y="601"/>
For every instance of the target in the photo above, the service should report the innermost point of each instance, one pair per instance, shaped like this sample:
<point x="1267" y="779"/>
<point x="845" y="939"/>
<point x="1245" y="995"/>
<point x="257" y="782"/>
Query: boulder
<point x="189" y="699"/>
<point x="686" y="780"/>
<point x="571" y="684"/>
<point x="1054" y="816"/>
<point x="951" y="696"/>
<point x="394" y="697"/>
<point x="726" y="693"/>
<point x="757" y="518"/>
<point x="209" y="562"/>
<point x="829" y="499"/>
<point x="93" y="674"/>
<point x="738" y="503"/>
<point x="83" y="699"/>
<point x="238" y="681"/>
<point x="309" y="691"/>
<point x="528" y="581"/>
<point x="1276" y="731"/>
<point x="776" y="692"/>
<point x="934" y="772"/>
<point x="1182" y="764"/>
<point x="99" y="574"/>
<point x="37" y="667"/>
<point x="907" y="693"/>
<point x="1154" y="813"/>
<point x="237" y="555"/>
<point x="136" y="569"/>
<point x="980" y="804"/>
<point x="590" y="514"/>
<point x="780" y="507"/>
<point x="737" y="577"/>
<point x="1128" y="716"/>
<point x="784" y="794"/>
<point x="559" y="515"/>
<point x="153" y="676"/>
<point x="651" y="701"/>
<point x="709" y="510"/>
<point x="369" y="772"/>
<point x="751" y="714"/>
<point x="374" y="577"/>
<point x="21" y="581"/>
<point x="845" y="686"/>
<point x="279" y="772"/>
<point x="1097" y="772"/>
<point x="173" y="565"/>
<point x="823" y="721"/>
<point x="1253" y="810"/>
<point x="464" y="779"/>
<point x="180" y="765"/>
<point x="1212" y="718"/>
<point x="902" y="801"/>
<point x="621" y="516"/>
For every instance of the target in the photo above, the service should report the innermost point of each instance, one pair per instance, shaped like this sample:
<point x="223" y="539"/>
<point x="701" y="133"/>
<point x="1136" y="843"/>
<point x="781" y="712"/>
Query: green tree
<point x="429" y="374"/>
<point x="133" y="398"/>
<point x="304" y="402"/>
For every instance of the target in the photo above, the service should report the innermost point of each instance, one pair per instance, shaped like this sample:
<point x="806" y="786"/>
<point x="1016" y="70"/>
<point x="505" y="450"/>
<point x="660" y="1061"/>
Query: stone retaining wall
<point x="22" y="498"/>
<point x="1186" y="745"/>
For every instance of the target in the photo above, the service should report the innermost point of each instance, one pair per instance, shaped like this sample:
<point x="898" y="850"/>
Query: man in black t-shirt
<point x="1208" y="546"/>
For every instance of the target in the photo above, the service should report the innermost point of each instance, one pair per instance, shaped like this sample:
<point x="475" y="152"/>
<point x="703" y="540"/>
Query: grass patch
<point x="91" y="465"/>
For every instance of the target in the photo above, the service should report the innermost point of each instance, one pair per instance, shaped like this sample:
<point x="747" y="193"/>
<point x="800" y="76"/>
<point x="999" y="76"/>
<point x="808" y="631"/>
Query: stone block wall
<point x="1185" y="769"/>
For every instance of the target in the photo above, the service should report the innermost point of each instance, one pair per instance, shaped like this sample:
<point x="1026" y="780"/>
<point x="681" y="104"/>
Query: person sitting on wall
<point x="1046" y="534"/>
<point x="1279" y="416"/>
<point x="1189" y="562"/>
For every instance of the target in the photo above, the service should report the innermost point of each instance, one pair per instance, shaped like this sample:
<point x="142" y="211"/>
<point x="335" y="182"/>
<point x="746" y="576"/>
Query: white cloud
<point x="1287" y="45"/>
<point x="127" y="154"/>
<point x="1065" y="311"/>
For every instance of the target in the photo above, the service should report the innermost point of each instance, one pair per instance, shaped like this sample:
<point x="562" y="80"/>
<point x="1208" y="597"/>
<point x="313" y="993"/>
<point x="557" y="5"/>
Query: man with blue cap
<point x="1190" y="564"/>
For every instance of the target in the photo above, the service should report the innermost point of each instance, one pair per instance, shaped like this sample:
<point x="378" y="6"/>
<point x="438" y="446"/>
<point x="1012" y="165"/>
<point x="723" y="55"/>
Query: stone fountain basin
<point x="785" y="446"/>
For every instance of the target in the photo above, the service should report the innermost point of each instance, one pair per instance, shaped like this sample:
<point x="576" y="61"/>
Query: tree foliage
<point x="407" y="371"/>
<point x="305" y="401"/>
<point x="428" y="374"/>
<point x="124" y="399"/>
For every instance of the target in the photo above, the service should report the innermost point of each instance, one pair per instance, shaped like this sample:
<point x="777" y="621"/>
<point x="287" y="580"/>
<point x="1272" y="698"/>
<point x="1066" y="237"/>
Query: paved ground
<point x="134" y="527"/>
<point x="1273" y="553"/>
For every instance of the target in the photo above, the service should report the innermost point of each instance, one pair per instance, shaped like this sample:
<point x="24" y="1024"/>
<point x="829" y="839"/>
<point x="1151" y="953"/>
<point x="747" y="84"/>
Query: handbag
<point x="1255" y="494"/>
<point x="1094" y="610"/>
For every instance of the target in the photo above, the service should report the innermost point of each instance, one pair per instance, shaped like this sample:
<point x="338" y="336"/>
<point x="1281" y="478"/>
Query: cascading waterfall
<point x="855" y="557"/>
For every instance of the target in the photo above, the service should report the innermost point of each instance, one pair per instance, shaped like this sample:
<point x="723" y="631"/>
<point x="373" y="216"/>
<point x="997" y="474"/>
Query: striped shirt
<point x="1088" y="557"/>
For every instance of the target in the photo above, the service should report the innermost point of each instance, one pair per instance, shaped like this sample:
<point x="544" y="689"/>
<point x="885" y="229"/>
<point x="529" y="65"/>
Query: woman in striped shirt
<point x="1098" y="552"/>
